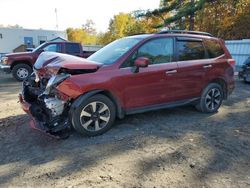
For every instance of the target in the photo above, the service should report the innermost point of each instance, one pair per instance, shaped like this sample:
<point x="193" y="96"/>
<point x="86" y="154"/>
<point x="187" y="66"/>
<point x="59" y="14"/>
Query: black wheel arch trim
<point x="222" y="82"/>
<point x="120" y="112"/>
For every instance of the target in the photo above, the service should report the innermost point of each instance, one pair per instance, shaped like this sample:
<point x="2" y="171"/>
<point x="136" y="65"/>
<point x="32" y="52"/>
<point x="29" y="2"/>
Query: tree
<point x="84" y="35"/>
<point x="89" y="27"/>
<point x="77" y="35"/>
<point x="121" y="25"/>
<point x="16" y="26"/>
<point x="175" y="11"/>
<point x="225" y="19"/>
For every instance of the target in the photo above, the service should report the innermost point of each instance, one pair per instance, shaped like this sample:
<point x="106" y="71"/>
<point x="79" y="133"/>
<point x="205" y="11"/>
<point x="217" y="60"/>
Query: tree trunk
<point x="191" y="18"/>
<point x="191" y="22"/>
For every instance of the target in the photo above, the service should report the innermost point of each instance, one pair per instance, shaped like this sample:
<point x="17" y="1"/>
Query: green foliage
<point x="84" y="35"/>
<point x="122" y="25"/>
<point x="219" y="17"/>
<point x="227" y="19"/>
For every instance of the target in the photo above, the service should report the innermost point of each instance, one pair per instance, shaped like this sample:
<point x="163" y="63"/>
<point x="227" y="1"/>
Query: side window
<point x="190" y="50"/>
<point x="52" y="48"/>
<point x="71" y="48"/>
<point x="157" y="51"/>
<point x="213" y="48"/>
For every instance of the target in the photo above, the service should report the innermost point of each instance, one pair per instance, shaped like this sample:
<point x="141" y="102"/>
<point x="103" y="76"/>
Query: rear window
<point x="72" y="48"/>
<point x="213" y="48"/>
<point x="190" y="50"/>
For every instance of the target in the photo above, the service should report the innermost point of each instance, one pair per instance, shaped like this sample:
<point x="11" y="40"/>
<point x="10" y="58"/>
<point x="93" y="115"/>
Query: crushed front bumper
<point x="5" y="68"/>
<point x="34" y="124"/>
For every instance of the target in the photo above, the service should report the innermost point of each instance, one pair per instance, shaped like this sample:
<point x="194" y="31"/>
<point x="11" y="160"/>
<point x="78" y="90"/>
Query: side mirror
<point x="140" y="62"/>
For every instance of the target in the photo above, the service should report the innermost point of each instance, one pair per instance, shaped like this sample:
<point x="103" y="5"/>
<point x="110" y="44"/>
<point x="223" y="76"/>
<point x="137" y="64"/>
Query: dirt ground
<point x="169" y="148"/>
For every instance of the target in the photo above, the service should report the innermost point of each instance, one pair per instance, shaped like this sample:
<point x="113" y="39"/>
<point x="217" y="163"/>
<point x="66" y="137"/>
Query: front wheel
<point x="211" y="98"/>
<point x="21" y="71"/>
<point x="94" y="116"/>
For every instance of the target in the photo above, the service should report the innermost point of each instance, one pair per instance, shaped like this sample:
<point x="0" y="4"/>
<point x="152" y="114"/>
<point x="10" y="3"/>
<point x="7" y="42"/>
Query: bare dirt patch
<point x="169" y="148"/>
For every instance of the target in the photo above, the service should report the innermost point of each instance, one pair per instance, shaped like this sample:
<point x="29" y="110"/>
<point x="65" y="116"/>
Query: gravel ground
<point x="169" y="148"/>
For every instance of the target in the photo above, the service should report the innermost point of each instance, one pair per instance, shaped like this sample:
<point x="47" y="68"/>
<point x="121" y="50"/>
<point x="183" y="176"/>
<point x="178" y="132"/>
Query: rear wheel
<point x="211" y="98"/>
<point x="21" y="71"/>
<point x="94" y="116"/>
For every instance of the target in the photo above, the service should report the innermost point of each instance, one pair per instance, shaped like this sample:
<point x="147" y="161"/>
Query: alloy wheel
<point x="95" y="116"/>
<point x="213" y="99"/>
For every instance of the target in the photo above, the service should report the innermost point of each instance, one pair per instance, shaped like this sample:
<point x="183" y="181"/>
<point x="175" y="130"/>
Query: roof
<point x="175" y="33"/>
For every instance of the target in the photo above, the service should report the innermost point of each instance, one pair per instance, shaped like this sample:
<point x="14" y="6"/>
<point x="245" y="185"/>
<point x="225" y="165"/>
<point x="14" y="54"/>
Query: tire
<point x="84" y="118"/>
<point x="21" y="71"/>
<point x="211" y="99"/>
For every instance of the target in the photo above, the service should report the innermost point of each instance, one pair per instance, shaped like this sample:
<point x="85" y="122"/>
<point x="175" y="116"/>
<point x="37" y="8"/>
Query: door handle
<point x="171" y="71"/>
<point x="207" y="66"/>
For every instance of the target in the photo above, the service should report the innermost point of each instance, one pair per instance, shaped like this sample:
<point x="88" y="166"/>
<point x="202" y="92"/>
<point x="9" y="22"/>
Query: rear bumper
<point x="5" y="68"/>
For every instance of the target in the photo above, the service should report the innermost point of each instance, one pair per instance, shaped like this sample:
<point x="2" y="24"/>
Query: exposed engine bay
<point x="48" y="107"/>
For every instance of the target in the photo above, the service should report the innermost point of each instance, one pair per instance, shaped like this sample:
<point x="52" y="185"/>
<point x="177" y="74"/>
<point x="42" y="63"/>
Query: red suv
<point x="131" y="75"/>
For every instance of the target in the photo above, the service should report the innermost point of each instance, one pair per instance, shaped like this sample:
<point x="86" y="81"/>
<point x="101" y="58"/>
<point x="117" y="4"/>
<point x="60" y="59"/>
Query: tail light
<point x="231" y="62"/>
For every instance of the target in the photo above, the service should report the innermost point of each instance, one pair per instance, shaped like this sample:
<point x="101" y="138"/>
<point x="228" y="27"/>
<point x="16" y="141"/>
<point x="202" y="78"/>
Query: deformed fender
<point x="80" y="99"/>
<point x="83" y="97"/>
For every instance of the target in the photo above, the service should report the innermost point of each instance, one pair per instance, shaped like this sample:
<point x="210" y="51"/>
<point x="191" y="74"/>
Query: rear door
<point x="192" y="66"/>
<point x="154" y="84"/>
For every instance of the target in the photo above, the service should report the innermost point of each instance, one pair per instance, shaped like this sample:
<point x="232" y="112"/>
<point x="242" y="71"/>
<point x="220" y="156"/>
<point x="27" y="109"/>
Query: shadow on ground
<point x="181" y="133"/>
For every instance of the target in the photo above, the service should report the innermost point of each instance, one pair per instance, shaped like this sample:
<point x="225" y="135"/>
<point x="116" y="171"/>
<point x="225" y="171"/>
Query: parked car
<point x="20" y="64"/>
<point x="130" y="75"/>
<point x="244" y="72"/>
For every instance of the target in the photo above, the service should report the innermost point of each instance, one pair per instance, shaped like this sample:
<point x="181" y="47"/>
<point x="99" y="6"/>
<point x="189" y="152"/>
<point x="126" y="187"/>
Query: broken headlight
<point x="55" y="80"/>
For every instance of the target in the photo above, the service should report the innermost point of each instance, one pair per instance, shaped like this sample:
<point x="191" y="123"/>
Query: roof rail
<point x="185" y="32"/>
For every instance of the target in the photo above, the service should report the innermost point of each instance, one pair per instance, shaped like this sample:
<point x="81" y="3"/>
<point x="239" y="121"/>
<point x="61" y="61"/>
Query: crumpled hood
<point x="57" y="60"/>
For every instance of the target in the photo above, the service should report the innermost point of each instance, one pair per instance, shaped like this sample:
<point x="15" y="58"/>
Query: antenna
<point x="56" y="19"/>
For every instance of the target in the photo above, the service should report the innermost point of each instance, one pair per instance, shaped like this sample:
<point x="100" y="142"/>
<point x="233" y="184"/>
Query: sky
<point x="36" y="14"/>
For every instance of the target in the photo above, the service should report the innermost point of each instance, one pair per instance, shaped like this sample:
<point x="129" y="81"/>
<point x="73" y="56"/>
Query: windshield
<point x="34" y="50"/>
<point x="113" y="51"/>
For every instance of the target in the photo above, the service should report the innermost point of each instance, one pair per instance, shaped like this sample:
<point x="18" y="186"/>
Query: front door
<point x="154" y="84"/>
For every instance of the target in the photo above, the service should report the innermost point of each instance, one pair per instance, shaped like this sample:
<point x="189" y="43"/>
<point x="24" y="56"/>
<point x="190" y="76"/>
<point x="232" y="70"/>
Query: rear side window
<point x="71" y="48"/>
<point x="213" y="48"/>
<point x="190" y="50"/>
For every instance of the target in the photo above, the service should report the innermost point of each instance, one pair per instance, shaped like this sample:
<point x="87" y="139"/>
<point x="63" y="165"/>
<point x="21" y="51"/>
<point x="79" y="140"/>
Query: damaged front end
<point x="40" y="98"/>
<point x="48" y="107"/>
